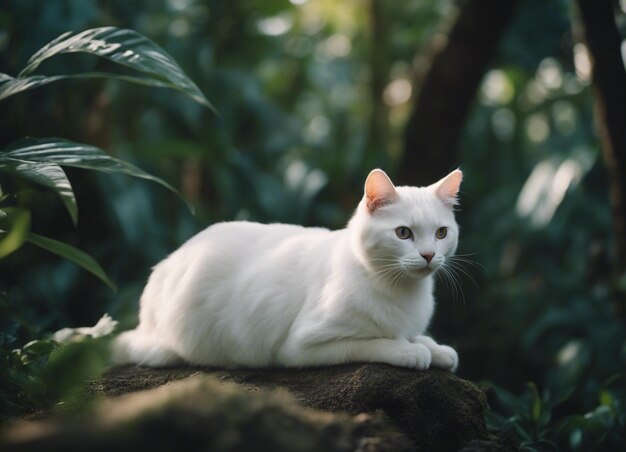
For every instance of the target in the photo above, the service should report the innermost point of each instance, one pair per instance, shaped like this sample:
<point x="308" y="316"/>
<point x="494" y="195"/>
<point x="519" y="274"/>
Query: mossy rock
<point x="367" y="407"/>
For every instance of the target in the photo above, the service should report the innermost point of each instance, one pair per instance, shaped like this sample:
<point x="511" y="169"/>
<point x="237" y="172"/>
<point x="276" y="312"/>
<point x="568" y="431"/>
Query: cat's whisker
<point x="449" y="275"/>
<point x="380" y="259"/>
<point x="387" y="275"/>
<point x="391" y="265"/>
<point x="388" y="272"/>
<point x="464" y="260"/>
<point x="443" y="276"/>
<point x="394" y="272"/>
<point x="395" y="264"/>
<point x="454" y="289"/>
<point x="457" y="278"/>
<point x="403" y="271"/>
<point x="384" y="272"/>
<point x="393" y="261"/>
<point x="458" y="266"/>
<point x="468" y="263"/>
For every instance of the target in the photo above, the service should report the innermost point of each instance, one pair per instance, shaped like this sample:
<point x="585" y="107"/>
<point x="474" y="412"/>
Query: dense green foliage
<point x="31" y="376"/>
<point x="292" y="142"/>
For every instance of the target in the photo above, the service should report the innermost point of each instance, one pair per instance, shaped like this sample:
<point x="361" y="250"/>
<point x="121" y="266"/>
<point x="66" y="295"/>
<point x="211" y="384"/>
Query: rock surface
<point x="202" y="414"/>
<point x="435" y="409"/>
<point x="233" y="410"/>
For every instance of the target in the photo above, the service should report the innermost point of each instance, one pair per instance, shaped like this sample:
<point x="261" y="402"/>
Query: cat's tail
<point x="137" y="347"/>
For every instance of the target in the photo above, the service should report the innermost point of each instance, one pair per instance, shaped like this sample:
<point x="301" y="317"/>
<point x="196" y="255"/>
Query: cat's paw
<point x="413" y="356"/>
<point x="444" y="357"/>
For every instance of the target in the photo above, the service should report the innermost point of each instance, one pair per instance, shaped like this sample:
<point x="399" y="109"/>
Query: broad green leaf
<point x="49" y="175"/>
<point x="72" y="254"/>
<point x="68" y="153"/>
<point x="87" y="359"/>
<point x="12" y="238"/>
<point x="12" y="86"/>
<point x="122" y="46"/>
<point x="507" y="403"/>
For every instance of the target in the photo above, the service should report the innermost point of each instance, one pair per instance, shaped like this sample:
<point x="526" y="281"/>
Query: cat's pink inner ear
<point x="447" y="189"/>
<point x="379" y="190"/>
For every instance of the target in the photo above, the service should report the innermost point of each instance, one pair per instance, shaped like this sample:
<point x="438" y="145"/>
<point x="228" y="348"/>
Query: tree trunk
<point x="458" y="62"/>
<point x="609" y="81"/>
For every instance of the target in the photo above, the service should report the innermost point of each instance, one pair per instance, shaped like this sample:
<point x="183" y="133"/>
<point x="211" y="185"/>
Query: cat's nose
<point x="428" y="256"/>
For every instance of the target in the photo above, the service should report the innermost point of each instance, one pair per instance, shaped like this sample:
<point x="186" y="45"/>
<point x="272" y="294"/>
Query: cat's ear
<point x="447" y="189"/>
<point x="379" y="190"/>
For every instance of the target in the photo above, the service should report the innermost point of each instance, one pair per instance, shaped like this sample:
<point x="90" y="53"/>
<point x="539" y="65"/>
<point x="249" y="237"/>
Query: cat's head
<point x="406" y="232"/>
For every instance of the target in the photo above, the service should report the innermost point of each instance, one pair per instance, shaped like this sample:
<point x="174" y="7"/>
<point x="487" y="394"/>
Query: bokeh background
<point x="311" y="95"/>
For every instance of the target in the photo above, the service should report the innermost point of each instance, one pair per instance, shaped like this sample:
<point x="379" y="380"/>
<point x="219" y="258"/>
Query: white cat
<point x="254" y="295"/>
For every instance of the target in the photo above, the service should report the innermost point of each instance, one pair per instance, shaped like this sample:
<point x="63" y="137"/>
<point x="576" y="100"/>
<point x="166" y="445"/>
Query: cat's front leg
<point x="396" y="352"/>
<point x="443" y="356"/>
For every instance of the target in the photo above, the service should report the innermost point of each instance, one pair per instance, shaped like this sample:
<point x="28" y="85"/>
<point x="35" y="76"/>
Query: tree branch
<point x="609" y="81"/>
<point x="448" y="88"/>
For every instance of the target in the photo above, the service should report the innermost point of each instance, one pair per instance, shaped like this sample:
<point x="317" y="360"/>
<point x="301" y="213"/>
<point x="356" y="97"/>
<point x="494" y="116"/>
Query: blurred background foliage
<point x="311" y="95"/>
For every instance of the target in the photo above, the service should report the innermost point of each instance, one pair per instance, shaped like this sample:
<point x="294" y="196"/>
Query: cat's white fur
<point x="255" y="295"/>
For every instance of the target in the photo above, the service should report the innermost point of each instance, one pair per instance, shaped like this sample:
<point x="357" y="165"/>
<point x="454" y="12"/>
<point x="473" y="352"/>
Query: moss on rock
<point x="435" y="409"/>
<point x="200" y="413"/>
<point x="368" y="407"/>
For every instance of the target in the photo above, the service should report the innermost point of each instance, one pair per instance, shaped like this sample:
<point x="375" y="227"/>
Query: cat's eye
<point x="403" y="233"/>
<point x="441" y="232"/>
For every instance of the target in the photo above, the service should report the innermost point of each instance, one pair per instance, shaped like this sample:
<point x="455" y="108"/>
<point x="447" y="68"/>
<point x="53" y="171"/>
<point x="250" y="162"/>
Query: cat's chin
<point x="420" y="272"/>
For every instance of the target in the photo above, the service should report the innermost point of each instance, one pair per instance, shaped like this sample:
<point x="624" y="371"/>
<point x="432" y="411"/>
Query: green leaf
<point x="68" y="153"/>
<point x="12" y="86"/>
<point x="546" y="444"/>
<point x="527" y="447"/>
<point x="37" y="349"/>
<point x="606" y="398"/>
<point x="122" y="46"/>
<point x="72" y="254"/>
<point x="494" y="420"/>
<point x="14" y="237"/>
<point x="601" y="418"/>
<point x="564" y="395"/>
<point x="86" y="359"/>
<point x="49" y="175"/>
<point x="514" y="424"/>
<point x="507" y="402"/>
<point x="616" y="381"/>
<point x="535" y="403"/>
